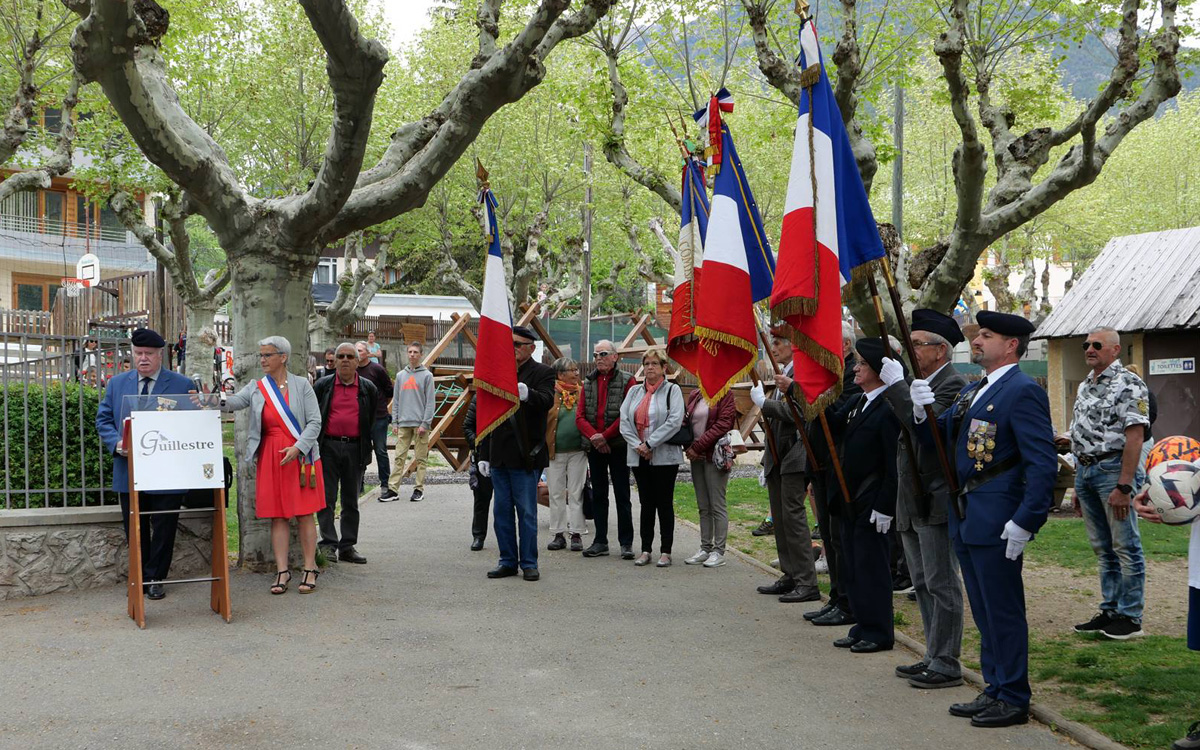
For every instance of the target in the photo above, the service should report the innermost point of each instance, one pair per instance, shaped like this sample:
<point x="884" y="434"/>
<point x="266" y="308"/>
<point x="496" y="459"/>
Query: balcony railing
<point x="36" y="225"/>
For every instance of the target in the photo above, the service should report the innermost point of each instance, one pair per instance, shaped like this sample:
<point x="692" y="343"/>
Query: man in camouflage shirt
<point x="1111" y="411"/>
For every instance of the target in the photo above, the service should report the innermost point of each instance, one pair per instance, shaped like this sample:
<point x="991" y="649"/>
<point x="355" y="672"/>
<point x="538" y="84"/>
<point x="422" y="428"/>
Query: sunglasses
<point x="601" y="355"/>
<point x="1097" y="345"/>
<point x="347" y="356"/>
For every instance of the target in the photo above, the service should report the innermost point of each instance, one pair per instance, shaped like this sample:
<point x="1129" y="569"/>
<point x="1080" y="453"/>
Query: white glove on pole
<point x="882" y="522"/>
<point x="891" y="372"/>
<point x="1017" y="539"/>
<point x="522" y="391"/>
<point x="757" y="395"/>
<point x="922" y="396"/>
<point x="484" y="468"/>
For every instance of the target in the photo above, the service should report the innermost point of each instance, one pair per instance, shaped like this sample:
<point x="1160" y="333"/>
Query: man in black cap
<point x="148" y="378"/>
<point x="1001" y="440"/>
<point x="516" y="457"/>
<point x="923" y="503"/>
<point x="868" y="432"/>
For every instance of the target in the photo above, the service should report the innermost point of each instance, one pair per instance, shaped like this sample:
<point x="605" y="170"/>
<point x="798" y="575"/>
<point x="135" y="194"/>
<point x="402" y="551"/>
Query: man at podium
<point x="148" y="378"/>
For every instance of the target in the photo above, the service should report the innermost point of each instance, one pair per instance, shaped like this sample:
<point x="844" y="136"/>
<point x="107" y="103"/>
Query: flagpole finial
<point x="802" y="8"/>
<point x="481" y="175"/>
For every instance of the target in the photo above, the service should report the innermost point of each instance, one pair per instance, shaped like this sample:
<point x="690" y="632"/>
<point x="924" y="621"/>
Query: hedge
<point x="50" y="439"/>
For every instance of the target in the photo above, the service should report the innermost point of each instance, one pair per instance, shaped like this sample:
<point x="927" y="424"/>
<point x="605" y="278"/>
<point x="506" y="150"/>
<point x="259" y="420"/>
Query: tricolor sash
<point x="274" y="397"/>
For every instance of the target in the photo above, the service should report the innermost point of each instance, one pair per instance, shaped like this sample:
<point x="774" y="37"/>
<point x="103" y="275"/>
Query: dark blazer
<point x="946" y="384"/>
<point x="1020" y="409"/>
<point x="480" y="447"/>
<point x="530" y="419"/>
<point x="867" y="447"/>
<point x="110" y="417"/>
<point x="368" y="399"/>
<point x="816" y="435"/>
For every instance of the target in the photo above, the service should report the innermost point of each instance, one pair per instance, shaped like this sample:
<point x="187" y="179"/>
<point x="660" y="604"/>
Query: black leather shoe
<point x="156" y="591"/>
<point x="911" y="670"/>
<point x="966" y="710"/>
<point x="836" y="617"/>
<point x="329" y="552"/>
<point x="778" y="587"/>
<point x="846" y="642"/>
<point x="351" y="555"/>
<point x="532" y="574"/>
<point x="802" y="594"/>
<point x="596" y="550"/>
<point x="501" y="571"/>
<point x="869" y="647"/>
<point x="626" y="551"/>
<point x="810" y="616"/>
<point x="934" y="680"/>
<point x="477" y="544"/>
<point x="1001" y="714"/>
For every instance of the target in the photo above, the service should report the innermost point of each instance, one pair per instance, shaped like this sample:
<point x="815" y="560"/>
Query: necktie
<point x="145" y="386"/>
<point x="982" y="385"/>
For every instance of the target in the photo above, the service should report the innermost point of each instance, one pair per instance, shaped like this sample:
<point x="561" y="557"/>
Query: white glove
<point x="1017" y="539"/>
<point x="882" y="522"/>
<point x="757" y="395"/>
<point x="485" y="468"/>
<point x="922" y="396"/>
<point x="762" y="477"/>
<point x="522" y="391"/>
<point x="891" y="372"/>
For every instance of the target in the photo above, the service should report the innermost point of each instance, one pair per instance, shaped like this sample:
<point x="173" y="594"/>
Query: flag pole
<point x="906" y="337"/>
<point x="812" y="457"/>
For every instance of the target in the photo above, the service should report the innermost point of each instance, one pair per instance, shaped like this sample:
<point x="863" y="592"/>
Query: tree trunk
<point x="269" y="299"/>
<point x="200" y="329"/>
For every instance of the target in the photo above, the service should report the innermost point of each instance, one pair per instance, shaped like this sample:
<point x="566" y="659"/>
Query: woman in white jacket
<point x="650" y="415"/>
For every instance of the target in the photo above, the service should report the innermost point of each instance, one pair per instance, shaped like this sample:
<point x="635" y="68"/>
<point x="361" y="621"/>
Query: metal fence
<point x="51" y="385"/>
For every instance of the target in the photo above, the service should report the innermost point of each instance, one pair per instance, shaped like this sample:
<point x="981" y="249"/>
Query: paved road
<point x="418" y="650"/>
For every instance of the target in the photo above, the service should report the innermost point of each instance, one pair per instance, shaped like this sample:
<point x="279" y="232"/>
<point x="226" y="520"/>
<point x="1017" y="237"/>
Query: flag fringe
<point x="823" y="357"/>
<point x="810" y="76"/>
<point x="860" y="272"/>
<point x="498" y="393"/>
<point x="707" y="337"/>
<point x="792" y="306"/>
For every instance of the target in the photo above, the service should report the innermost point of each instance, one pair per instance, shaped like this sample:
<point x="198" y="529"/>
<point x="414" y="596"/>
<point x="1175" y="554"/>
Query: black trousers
<point x="158" y="532"/>
<point x="656" y="493"/>
<point x="826" y="492"/>
<point x="603" y="465"/>
<point x="341" y="467"/>
<point x="483" y="501"/>
<point x="867" y="577"/>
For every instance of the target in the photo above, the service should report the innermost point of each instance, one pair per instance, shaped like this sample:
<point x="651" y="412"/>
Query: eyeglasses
<point x="519" y="344"/>
<point x="602" y="355"/>
<point x="1097" y="345"/>
<point x="925" y="343"/>
<point x="347" y="356"/>
<point x="267" y="356"/>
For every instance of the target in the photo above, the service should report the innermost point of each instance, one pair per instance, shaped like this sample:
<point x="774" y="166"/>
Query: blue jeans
<point x="1117" y="544"/>
<point x="379" y="433"/>
<point x="515" y="491"/>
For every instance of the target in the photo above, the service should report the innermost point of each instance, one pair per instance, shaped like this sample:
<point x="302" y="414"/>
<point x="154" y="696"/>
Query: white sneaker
<point x="697" y="559"/>
<point x="715" y="560"/>
<point x="822" y="565"/>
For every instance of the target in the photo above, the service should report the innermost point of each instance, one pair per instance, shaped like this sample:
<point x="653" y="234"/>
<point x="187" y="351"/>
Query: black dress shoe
<point x="846" y="642"/>
<point x="596" y="550"/>
<point x="982" y="702"/>
<point x="911" y="670"/>
<point x="501" y="571"/>
<point x="778" y="587"/>
<point x="836" y="617"/>
<point x="156" y="591"/>
<point x="532" y="574"/>
<point x="626" y="551"/>
<point x="1001" y="714"/>
<point x="351" y="555"/>
<point x="477" y="544"/>
<point x="934" y="680"/>
<point x="869" y="647"/>
<point x="802" y="594"/>
<point x="810" y="616"/>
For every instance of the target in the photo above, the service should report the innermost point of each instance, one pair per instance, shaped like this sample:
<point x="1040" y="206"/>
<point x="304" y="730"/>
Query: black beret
<point x="147" y="337"/>
<point x="873" y="351"/>
<point x="524" y="332"/>
<point x="924" y="319"/>
<point x="1004" y="323"/>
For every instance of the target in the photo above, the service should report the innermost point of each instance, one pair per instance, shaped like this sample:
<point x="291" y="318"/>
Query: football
<point x="1173" y="491"/>
<point x="1175" y="448"/>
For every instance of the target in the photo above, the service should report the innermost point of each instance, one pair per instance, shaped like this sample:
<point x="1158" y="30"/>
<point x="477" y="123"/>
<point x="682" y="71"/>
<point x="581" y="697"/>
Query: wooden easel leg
<point x="219" y="600"/>
<point x="137" y="601"/>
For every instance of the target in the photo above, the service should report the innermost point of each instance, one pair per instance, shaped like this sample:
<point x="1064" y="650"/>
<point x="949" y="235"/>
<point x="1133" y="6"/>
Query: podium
<point x="173" y="443"/>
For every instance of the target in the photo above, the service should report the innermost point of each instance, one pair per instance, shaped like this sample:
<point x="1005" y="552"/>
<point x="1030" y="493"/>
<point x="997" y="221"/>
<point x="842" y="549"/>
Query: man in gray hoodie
<point x="412" y="416"/>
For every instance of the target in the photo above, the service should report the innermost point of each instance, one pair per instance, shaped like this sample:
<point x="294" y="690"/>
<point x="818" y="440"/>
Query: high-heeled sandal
<point x="281" y="586"/>
<point x="305" y="587"/>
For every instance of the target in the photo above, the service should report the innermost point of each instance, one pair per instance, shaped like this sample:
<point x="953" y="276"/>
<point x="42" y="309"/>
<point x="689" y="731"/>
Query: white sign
<point x="1173" y="366"/>
<point x="87" y="269"/>
<point x="177" y="450"/>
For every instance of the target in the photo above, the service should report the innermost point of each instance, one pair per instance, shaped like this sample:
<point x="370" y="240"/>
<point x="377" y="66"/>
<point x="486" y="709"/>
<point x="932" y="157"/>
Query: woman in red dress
<point x="288" y="468"/>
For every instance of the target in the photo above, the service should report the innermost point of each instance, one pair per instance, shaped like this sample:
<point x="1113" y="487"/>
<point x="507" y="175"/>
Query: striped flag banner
<point x="682" y="345"/>
<point x="495" y="360"/>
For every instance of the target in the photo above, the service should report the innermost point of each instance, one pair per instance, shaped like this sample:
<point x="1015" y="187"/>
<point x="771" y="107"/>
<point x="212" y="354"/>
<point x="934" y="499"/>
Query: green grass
<point x="1064" y="542"/>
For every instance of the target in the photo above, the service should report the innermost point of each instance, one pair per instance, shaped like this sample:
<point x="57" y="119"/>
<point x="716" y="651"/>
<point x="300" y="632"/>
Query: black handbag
<point x="683" y="437"/>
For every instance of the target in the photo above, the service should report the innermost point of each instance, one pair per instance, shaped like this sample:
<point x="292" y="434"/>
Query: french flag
<point x="738" y="267"/>
<point x="825" y="235"/>
<point x="495" y="361"/>
<point x="682" y="345"/>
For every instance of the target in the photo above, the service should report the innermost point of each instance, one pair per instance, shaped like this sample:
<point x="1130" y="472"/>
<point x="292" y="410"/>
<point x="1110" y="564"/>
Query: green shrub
<point x="44" y="429"/>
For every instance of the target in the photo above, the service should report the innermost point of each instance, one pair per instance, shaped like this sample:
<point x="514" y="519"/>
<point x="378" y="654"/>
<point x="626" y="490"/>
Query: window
<point x="53" y="119"/>
<point x="111" y="227"/>
<point x="83" y="214"/>
<point x="326" y="272"/>
<point x="55" y="205"/>
<point x="32" y="292"/>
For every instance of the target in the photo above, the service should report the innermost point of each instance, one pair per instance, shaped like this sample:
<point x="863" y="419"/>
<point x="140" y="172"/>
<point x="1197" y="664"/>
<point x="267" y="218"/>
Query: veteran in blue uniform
<point x="1001" y="441"/>
<point x="148" y="378"/>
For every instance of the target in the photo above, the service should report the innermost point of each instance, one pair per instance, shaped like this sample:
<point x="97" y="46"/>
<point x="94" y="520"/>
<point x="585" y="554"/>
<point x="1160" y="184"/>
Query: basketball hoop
<point x="73" y="286"/>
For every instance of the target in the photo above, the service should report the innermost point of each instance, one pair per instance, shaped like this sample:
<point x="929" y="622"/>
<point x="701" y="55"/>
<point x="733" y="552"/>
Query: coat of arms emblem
<point x="208" y="471"/>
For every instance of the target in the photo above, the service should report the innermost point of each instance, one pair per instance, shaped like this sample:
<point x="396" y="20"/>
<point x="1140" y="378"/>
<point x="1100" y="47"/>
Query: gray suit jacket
<point x="793" y="457"/>
<point x="946" y="386"/>
<point x="302" y="400"/>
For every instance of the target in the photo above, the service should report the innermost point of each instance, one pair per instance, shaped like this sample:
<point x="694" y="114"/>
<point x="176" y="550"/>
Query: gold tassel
<point x="516" y="404"/>
<point x="810" y="76"/>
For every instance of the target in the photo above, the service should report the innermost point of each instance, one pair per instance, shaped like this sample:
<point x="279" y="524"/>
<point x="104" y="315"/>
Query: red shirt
<point x="343" y="409"/>
<point x="610" y="432"/>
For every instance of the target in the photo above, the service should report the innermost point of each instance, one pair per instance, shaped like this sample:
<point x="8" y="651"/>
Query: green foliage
<point x="49" y="427"/>
<point x="1064" y="542"/>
